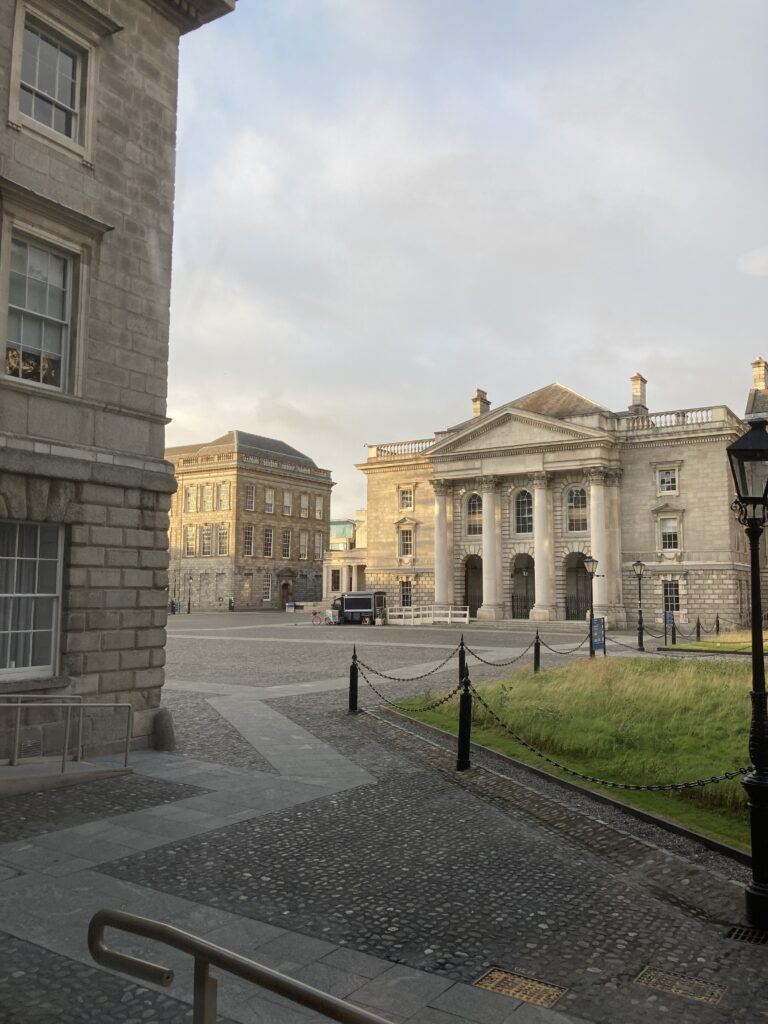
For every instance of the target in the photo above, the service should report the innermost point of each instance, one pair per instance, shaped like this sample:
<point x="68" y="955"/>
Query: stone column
<point x="491" y="607"/>
<point x="598" y="533"/>
<point x="543" y="550"/>
<point x="443" y="575"/>
<point x="617" y="612"/>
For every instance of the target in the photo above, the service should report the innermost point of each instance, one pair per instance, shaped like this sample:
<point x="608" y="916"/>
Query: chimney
<point x="759" y="368"/>
<point x="480" y="403"/>
<point x="638" y="406"/>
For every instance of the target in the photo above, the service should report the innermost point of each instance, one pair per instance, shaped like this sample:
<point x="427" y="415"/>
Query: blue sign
<point x="598" y="634"/>
<point x="669" y="619"/>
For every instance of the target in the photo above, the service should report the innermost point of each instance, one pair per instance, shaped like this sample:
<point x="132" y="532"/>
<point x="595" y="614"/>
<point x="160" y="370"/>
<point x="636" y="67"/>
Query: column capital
<point x="486" y="483"/>
<point x="613" y="475"/>
<point x="596" y="474"/>
<point x="540" y="480"/>
<point x="442" y="488"/>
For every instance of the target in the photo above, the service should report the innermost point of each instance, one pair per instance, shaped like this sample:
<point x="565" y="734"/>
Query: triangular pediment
<point x="511" y="428"/>
<point x="666" y="509"/>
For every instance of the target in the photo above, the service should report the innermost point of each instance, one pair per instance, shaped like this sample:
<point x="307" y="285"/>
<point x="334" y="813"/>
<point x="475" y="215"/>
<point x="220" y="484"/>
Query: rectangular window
<point x="667" y="481"/>
<point x="189" y="541"/>
<point x="30" y="593"/>
<point x="222" y="497"/>
<point x="406" y="498"/>
<point x="303" y="544"/>
<point x="286" y="543"/>
<point x="669" y="534"/>
<point x="208" y="498"/>
<point x="50" y="80"/>
<point x="335" y="579"/>
<point x="671" y="596"/>
<point x="269" y="500"/>
<point x="287" y="503"/>
<point x="577" y="510"/>
<point x="248" y="540"/>
<point x="222" y="540"/>
<point x="250" y="497"/>
<point x="266" y="587"/>
<point x="304" y="506"/>
<point x="406" y="593"/>
<point x="318" y="506"/>
<point x="190" y="499"/>
<point x="406" y="543"/>
<point x="37" y="345"/>
<point x="206" y="540"/>
<point x="318" y="546"/>
<point x="268" y="541"/>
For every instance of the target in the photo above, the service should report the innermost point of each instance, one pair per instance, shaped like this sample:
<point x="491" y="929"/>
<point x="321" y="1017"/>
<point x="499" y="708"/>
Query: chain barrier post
<point x="674" y="632"/>
<point x="717" y="624"/>
<point x="537" y="653"/>
<point x="698" y="628"/>
<point x="462" y="660"/>
<point x="353" y="682"/>
<point x="465" y="726"/>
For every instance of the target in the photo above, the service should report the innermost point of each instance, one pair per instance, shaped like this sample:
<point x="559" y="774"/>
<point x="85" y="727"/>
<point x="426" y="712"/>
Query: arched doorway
<point x="576" y="587"/>
<point x="473" y="584"/>
<point x="523" y="587"/>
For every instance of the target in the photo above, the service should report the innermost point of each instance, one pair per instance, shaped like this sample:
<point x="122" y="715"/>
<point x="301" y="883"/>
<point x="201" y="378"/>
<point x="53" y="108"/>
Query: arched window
<point x="524" y="512"/>
<point x="577" y="510"/>
<point x="474" y="515"/>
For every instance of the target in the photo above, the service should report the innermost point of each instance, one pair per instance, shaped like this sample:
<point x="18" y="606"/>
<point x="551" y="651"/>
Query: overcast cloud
<point x="384" y="204"/>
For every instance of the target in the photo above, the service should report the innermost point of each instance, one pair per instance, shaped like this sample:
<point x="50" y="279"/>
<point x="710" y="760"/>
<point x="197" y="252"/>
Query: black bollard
<point x="674" y="632"/>
<point x="698" y="628"/>
<point x="717" y="625"/>
<point x="537" y="653"/>
<point x="462" y="660"/>
<point x="465" y="726"/>
<point x="353" y="683"/>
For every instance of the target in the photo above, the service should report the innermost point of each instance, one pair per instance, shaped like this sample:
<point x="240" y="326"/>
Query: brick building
<point x="87" y="152"/>
<point x="499" y="511"/>
<point x="249" y="522"/>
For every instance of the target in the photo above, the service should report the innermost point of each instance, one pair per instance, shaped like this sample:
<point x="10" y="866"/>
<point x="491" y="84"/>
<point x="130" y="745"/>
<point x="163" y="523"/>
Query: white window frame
<point x="207" y="496"/>
<point x="318" y="506"/>
<point x="206" y="540"/>
<point x="516" y="498"/>
<point x="668" y="533"/>
<point x="406" y="498"/>
<point x="266" y="586"/>
<point x="269" y="542"/>
<point x="318" y="547"/>
<point x="473" y="520"/>
<point x="79" y="28"/>
<point x="250" y="497"/>
<point x="190" y="541"/>
<point x="287" y="503"/>
<point x="248" y="540"/>
<point x="285" y="544"/>
<point x="403" y="533"/>
<point x="304" y="506"/>
<point x="670" y="590"/>
<point x="335" y="580"/>
<point x="406" y="593"/>
<point x="303" y="545"/>
<point x="269" y="500"/>
<point x="190" y="499"/>
<point x="662" y="489"/>
<point x="222" y="496"/>
<point x="222" y="539"/>
<point x="575" y="509"/>
<point x="49" y="669"/>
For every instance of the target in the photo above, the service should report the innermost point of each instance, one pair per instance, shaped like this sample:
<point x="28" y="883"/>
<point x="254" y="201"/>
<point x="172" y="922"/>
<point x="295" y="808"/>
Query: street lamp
<point x="639" y="568"/>
<point x="189" y="594"/>
<point x="749" y="464"/>
<point x="590" y="564"/>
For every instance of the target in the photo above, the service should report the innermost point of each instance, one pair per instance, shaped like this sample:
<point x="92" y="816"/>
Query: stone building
<point x="499" y="511"/>
<point x="87" y="151"/>
<point x="344" y="563"/>
<point x="249" y="523"/>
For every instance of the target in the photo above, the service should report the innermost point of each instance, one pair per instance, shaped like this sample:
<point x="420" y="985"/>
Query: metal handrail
<point x="207" y="955"/>
<point x="14" y="758"/>
<point x="61" y="698"/>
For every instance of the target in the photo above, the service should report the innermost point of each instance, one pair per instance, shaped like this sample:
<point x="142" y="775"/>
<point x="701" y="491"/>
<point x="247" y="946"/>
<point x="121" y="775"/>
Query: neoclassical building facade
<point x="499" y="511"/>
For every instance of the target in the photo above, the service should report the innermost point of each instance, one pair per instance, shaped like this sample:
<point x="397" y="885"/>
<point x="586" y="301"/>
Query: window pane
<point x="31" y="333"/>
<point x="49" y="542"/>
<point x="65" y="90"/>
<point x="41" y="648"/>
<point x="26" y="102"/>
<point x="46" y="69"/>
<point x="17" y="295"/>
<point x="7" y="576"/>
<point x="51" y="371"/>
<point x="42" y="111"/>
<point x="7" y="539"/>
<point x="6" y="604"/>
<point x="37" y="295"/>
<point x="21" y="612"/>
<point x="27" y="541"/>
<point x="20" y="649"/>
<point x="25" y="576"/>
<point x="13" y="362"/>
<point x="46" y="577"/>
<point x="52" y="339"/>
<point x="4" y="645"/>
<point x="43" y="613"/>
<point x="14" y="327"/>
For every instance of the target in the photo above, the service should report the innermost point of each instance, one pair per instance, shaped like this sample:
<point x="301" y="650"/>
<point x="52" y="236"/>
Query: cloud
<point x="755" y="262"/>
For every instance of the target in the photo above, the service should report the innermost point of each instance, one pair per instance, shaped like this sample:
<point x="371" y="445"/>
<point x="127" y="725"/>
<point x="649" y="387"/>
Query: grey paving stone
<point x="400" y="990"/>
<point x="244" y="936"/>
<point x="358" y="963"/>
<point x="476" y="1004"/>
<point x="290" y="951"/>
<point x="528" y="1014"/>
<point x="335" y="982"/>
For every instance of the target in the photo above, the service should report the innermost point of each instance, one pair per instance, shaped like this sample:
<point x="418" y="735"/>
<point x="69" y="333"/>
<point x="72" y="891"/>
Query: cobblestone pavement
<point x="362" y="862"/>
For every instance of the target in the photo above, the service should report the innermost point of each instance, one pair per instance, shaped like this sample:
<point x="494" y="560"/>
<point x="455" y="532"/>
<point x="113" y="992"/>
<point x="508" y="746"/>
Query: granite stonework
<point x="82" y="437"/>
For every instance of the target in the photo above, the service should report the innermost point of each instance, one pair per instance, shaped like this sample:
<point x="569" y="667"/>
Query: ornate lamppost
<point x="749" y="464"/>
<point x="590" y="564"/>
<point x="639" y="568"/>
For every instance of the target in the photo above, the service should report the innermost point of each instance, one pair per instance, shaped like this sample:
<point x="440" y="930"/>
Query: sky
<point x="382" y="205"/>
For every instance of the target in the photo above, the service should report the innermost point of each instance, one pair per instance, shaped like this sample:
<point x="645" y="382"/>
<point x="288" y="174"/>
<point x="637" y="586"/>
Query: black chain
<point x="653" y="788"/>
<point x="656" y="636"/>
<point x="408" y="679"/>
<point x="569" y="651"/>
<point x="401" y="707"/>
<point x="630" y="647"/>
<point x="500" y="664"/>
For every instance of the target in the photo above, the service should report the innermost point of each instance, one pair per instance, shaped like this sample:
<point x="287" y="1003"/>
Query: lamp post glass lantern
<point x="748" y="458"/>
<point x="639" y="569"/>
<point x="590" y="564"/>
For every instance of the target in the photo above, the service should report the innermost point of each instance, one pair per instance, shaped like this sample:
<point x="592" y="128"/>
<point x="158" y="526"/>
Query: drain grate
<point x="529" y="990"/>
<point x="679" y="985"/>
<point x="753" y="935"/>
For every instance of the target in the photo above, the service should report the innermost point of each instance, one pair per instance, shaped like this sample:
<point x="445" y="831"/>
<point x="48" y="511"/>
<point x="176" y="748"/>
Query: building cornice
<point x="188" y="15"/>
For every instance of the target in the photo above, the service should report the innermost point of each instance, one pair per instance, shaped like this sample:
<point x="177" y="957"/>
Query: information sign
<point x="598" y="634"/>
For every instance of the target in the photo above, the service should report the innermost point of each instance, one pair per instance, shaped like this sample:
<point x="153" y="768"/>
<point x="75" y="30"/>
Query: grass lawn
<point x="727" y="643"/>
<point x="631" y="720"/>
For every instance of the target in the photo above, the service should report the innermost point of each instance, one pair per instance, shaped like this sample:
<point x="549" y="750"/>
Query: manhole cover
<point x="679" y="985"/>
<point x="753" y="935"/>
<point x="540" y="993"/>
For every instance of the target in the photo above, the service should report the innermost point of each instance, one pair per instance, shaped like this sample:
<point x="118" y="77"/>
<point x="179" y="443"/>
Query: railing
<point x="67" y="703"/>
<point x="427" y="614"/>
<point x="680" y="418"/>
<point x="392" y="449"/>
<point x="207" y="955"/>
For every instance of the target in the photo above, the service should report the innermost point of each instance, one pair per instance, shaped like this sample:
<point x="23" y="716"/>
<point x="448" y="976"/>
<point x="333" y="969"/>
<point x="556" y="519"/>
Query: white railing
<point x="427" y="614"/>
<point x="393" y="449"/>
<point x="679" y="418"/>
